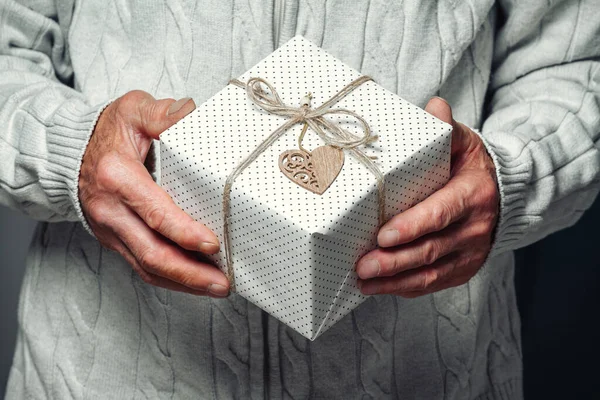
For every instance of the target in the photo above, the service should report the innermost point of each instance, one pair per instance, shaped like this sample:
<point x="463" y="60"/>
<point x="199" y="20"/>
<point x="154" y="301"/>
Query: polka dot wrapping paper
<point x="294" y="251"/>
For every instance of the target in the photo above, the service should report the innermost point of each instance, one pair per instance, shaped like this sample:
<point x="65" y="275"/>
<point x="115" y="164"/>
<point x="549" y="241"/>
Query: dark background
<point x="558" y="288"/>
<point x="558" y="292"/>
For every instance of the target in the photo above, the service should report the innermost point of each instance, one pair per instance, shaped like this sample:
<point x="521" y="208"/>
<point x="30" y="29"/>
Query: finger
<point x="110" y="241"/>
<point x="420" y="279"/>
<point x="466" y="264"/>
<point x="447" y="284"/>
<point x="433" y="214"/>
<point x="443" y="286"/>
<point x="150" y="116"/>
<point x="107" y="237"/>
<point x="426" y="250"/>
<point x="136" y="188"/>
<point x="152" y="279"/>
<point x="157" y="257"/>
<point x="156" y="116"/>
<point x="440" y="108"/>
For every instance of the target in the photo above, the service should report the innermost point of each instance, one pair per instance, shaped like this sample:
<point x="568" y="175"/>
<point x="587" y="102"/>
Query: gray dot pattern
<point x="294" y="251"/>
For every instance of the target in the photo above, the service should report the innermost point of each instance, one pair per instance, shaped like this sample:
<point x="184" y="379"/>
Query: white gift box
<point x="293" y="251"/>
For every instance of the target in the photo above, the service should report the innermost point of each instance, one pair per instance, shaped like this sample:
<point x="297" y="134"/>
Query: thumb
<point x="156" y="116"/>
<point x="440" y="108"/>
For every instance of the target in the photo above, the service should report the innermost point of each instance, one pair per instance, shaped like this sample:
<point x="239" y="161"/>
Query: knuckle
<point x="399" y="286"/>
<point x="131" y="99"/>
<point x="492" y="218"/>
<point x="391" y="268"/>
<point x="428" y="278"/>
<point x="430" y="252"/>
<point x="489" y="194"/>
<point x="388" y="264"/>
<point x="150" y="259"/>
<point x="147" y="278"/>
<point x="464" y="192"/>
<point x="99" y="213"/>
<point x="144" y="275"/>
<point x="108" y="171"/>
<point x="154" y="111"/>
<point x="155" y="217"/>
<point x="480" y="229"/>
<point x="486" y="198"/>
<point x="440" y="215"/>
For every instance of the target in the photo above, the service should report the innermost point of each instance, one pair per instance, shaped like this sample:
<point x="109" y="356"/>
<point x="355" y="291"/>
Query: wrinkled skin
<point x="444" y="240"/>
<point x="129" y="213"/>
<point x="439" y="243"/>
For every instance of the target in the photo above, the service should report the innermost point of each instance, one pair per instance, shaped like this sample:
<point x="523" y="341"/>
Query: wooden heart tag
<point x="314" y="171"/>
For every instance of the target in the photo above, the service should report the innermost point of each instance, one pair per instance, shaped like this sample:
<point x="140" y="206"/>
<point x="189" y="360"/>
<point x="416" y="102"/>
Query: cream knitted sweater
<point x="525" y="73"/>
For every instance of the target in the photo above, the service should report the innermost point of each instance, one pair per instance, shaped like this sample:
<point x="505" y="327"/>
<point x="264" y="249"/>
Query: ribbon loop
<point x="329" y="131"/>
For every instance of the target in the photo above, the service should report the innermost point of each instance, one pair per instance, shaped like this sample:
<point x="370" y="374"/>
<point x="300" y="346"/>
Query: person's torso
<point x="95" y="330"/>
<point x="188" y="48"/>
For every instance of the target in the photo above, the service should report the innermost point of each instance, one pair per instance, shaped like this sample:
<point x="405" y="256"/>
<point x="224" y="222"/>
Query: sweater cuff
<point x="67" y="139"/>
<point x="512" y="183"/>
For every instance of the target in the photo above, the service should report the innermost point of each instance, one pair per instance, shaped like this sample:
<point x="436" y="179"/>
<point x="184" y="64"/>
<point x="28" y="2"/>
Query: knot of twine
<point x="332" y="133"/>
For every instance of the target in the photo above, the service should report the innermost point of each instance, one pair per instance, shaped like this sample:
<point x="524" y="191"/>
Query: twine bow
<point x="330" y="132"/>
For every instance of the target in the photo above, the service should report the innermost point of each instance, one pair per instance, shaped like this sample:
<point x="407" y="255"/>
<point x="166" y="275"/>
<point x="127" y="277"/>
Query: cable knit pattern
<point x="90" y="328"/>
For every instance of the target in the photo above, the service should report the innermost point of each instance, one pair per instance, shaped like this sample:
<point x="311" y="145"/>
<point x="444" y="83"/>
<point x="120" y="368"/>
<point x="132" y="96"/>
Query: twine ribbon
<point x="330" y="132"/>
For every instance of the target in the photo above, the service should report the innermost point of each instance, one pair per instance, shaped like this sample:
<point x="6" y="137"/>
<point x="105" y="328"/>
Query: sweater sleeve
<point x="543" y="128"/>
<point x="44" y="123"/>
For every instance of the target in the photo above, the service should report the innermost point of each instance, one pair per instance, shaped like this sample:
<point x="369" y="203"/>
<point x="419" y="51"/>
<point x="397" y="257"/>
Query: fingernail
<point x="218" y="290"/>
<point x="209" y="247"/>
<point x="370" y="289"/>
<point x="369" y="268"/>
<point x="388" y="237"/>
<point x="178" y="105"/>
<point x="441" y="98"/>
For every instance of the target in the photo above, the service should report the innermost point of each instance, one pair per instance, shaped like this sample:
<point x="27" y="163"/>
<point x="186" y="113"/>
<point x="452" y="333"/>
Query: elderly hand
<point x="129" y="213"/>
<point x="444" y="240"/>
